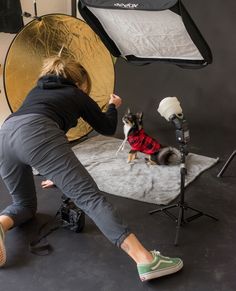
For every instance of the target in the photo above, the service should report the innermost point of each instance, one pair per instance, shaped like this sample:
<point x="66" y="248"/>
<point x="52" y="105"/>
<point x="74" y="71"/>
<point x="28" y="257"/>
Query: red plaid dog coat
<point x="140" y="141"/>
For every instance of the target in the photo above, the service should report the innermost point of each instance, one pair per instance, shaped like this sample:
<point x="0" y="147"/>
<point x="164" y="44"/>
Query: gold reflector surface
<point x="45" y="37"/>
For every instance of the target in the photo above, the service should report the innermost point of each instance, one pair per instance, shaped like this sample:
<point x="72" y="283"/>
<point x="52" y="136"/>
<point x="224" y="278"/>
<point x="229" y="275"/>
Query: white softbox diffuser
<point x="147" y="31"/>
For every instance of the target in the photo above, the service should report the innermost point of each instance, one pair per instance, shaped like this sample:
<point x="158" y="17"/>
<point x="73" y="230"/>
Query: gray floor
<point x="87" y="261"/>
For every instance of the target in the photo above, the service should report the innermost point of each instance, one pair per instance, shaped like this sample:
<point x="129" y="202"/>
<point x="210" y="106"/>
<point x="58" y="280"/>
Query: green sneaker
<point x="2" y="247"/>
<point x="160" y="266"/>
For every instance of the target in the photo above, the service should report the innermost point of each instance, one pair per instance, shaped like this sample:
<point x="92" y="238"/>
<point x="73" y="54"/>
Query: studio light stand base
<point x="181" y="220"/>
<point x="226" y="164"/>
<point x="182" y="137"/>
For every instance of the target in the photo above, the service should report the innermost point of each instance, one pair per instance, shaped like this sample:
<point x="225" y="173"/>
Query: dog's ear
<point x="139" y="115"/>
<point x="128" y="111"/>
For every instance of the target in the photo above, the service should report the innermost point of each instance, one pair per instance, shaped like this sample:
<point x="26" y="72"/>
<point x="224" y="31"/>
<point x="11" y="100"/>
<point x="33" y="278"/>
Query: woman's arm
<point x="103" y="122"/>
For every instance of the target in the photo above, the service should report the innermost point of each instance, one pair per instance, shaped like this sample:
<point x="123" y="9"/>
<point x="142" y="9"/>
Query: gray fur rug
<point x="139" y="181"/>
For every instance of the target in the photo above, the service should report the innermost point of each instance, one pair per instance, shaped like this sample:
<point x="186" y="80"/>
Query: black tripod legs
<point x="181" y="204"/>
<point x="226" y="164"/>
<point x="180" y="220"/>
<point x="199" y="213"/>
<point x="165" y="210"/>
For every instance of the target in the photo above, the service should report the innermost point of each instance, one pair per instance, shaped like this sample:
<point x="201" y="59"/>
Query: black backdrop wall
<point x="207" y="96"/>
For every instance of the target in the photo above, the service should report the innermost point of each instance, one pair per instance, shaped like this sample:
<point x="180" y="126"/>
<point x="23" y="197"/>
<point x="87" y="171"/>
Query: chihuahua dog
<point x="142" y="142"/>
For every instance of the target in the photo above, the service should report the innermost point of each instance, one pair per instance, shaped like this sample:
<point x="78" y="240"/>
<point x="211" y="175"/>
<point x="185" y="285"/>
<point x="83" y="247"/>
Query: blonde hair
<point x="69" y="69"/>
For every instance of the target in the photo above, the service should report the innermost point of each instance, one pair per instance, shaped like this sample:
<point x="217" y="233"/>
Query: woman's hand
<point x="116" y="100"/>
<point x="47" y="184"/>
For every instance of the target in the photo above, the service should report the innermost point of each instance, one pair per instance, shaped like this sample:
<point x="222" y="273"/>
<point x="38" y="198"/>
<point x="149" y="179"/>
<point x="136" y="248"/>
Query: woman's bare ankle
<point x="6" y="222"/>
<point x="145" y="258"/>
<point x="136" y="250"/>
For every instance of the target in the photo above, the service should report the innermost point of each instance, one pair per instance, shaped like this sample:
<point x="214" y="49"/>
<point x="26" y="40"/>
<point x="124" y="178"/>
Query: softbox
<point x="145" y="31"/>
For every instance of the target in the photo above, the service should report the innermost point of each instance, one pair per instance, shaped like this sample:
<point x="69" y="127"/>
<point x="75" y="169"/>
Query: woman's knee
<point x="27" y="206"/>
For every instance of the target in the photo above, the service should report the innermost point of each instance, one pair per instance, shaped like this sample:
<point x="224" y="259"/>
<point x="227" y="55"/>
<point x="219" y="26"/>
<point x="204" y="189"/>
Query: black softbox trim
<point x="196" y="35"/>
<point x="11" y="20"/>
<point x="96" y="26"/>
<point x="152" y="5"/>
<point x="177" y="7"/>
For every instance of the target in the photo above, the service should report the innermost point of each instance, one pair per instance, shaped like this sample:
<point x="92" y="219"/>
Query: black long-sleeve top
<point x="62" y="101"/>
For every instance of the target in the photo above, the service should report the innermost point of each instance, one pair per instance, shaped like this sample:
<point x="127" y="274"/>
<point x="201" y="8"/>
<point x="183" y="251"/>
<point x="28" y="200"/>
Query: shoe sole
<point x="160" y="273"/>
<point x="2" y="253"/>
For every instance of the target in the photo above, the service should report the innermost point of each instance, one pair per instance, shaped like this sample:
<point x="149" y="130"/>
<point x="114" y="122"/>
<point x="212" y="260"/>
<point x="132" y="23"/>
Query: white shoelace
<point x="159" y="254"/>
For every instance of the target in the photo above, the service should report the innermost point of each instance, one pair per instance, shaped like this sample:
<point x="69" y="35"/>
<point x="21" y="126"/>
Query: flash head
<point x="170" y="107"/>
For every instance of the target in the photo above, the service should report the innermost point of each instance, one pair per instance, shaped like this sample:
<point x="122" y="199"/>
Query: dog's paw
<point x="131" y="157"/>
<point x="150" y="162"/>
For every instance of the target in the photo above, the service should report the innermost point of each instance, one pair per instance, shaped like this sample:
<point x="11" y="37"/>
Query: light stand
<point x="220" y="174"/>
<point x="182" y="136"/>
<point x="28" y="15"/>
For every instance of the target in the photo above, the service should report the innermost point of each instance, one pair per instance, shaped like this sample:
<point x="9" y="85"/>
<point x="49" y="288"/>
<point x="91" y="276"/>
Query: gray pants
<point x="33" y="140"/>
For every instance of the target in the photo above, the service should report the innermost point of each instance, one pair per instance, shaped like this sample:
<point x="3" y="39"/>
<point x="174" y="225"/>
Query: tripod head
<point x="171" y="110"/>
<point x="181" y="131"/>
